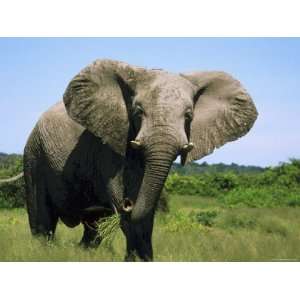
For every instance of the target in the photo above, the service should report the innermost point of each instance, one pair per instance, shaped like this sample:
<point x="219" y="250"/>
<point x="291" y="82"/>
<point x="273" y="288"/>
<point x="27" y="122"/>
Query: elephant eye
<point x="138" y="111"/>
<point x="137" y="118"/>
<point x="188" y="115"/>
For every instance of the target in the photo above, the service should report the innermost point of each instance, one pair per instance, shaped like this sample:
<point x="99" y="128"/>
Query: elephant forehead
<point x="169" y="88"/>
<point x="168" y="82"/>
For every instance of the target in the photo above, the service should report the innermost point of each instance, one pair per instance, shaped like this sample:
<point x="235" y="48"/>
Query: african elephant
<point x="109" y="145"/>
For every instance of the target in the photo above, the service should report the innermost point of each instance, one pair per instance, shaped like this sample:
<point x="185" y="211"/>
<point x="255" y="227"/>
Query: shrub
<point x="209" y="185"/>
<point x="293" y="202"/>
<point x="205" y="217"/>
<point x="190" y="185"/>
<point x="224" y="182"/>
<point x="285" y="176"/>
<point x="272" y="196"/>
<point x="12" y="195"/>
<point x="10" y="165"/>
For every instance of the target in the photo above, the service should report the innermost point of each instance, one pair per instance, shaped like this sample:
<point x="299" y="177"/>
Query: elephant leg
<point x="46" y="222"/>
<point x="91" y="237"/>
<point x="131" y="253"/>
<point x="42" y="216"/>
<point x="139" y="245"/>
<point x="144" y="242"/>
<point x="138" y="239"/>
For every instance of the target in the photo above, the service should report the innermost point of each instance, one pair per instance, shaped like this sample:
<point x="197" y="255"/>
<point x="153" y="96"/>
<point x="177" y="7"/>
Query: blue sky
<point x="35" y="72"/>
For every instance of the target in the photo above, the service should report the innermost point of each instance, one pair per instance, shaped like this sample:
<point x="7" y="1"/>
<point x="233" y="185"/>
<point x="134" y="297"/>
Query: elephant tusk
<point x="188" y="147"/>
<point x="115" y="209"/>
<point x="135" y="144"/>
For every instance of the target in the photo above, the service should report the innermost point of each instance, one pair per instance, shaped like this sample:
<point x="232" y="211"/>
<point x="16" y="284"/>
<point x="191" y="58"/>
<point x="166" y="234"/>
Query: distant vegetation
<point x="269" y="187"/>
<point x="232" y="185"/>
<point x="10" y="164"/>
<point x="195" y="168"/>
<point x="11" y="194"/>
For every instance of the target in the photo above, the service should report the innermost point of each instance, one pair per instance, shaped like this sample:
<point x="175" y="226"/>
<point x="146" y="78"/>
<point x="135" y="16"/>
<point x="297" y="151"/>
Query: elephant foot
<point x="136" y="256"/>
<point x="130" y="257"/>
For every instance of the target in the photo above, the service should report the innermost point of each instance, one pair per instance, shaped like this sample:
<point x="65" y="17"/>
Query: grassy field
<point x="196" y="229"/>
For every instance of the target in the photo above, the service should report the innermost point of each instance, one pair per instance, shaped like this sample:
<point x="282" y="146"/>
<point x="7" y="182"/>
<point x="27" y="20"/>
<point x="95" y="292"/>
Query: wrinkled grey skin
<point x="79" y="164"/>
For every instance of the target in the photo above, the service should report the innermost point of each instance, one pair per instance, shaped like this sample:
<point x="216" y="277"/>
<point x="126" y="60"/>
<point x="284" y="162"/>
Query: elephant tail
<point x="12" y="179"/>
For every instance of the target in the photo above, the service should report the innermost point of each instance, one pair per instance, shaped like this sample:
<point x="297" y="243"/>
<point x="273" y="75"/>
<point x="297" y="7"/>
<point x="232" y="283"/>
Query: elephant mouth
<point x="127" y="205"/>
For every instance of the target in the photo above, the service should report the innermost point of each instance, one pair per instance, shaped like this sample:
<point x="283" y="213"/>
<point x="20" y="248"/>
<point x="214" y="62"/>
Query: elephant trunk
<point x="159" y="156"/>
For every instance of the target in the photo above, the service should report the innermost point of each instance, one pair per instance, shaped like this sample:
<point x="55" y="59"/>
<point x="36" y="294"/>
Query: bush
<point x="10" y="165"/>
<point x="224" y="182"/>
<point x="272" y="196"/>
<point x="293" y="202"/>
<point x="203" y="184"/>
<point x="205" y="217"/>
<point x="12" y="195"/>
<point x="191" y="185"/>
<point x="283" y="177"/>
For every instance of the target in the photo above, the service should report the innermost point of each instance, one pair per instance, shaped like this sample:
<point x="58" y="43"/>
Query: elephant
<point x="108" y="145"/>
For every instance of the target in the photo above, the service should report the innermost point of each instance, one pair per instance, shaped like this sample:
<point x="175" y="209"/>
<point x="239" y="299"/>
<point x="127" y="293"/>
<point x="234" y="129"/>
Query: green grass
<point x="231" y="234"/>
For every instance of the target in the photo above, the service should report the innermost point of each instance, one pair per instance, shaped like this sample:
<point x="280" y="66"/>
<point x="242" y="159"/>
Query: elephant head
<point x="160" y="114"/>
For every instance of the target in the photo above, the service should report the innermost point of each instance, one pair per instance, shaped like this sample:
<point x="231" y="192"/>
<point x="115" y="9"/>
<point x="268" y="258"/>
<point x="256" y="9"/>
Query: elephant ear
<point x="223" y="112"/>
<point x="98" y="99"/>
